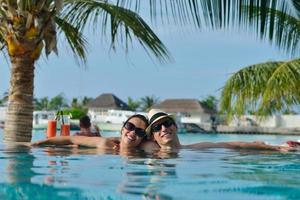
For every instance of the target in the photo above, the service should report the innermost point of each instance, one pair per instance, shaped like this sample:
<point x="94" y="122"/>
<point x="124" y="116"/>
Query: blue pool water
<point x="65" y="173"/>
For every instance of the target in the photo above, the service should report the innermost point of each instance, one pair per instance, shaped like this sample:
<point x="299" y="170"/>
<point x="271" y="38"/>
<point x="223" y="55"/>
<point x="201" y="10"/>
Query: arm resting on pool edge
<point x="96" y="142"/>
<point x="239" y="145"/>
<point x="61" y="140"/>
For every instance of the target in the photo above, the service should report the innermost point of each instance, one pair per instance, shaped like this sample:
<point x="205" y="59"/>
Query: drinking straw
<point x="62" y="116"/>
<point x="57" y="116"/>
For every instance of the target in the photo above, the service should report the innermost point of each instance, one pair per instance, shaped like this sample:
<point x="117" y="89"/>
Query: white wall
<point x="269" y="122"/>
<point x="275" y="121"/>
<point x="196" y="118"/>
<point x="290" y="121"/>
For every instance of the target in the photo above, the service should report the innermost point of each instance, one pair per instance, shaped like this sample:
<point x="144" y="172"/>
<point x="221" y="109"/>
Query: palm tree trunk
<point x="18" y="124"/>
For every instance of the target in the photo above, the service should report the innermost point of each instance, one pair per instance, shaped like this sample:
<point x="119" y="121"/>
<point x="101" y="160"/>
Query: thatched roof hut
<point x="107" y="101"/>
<point x="183" y="106"/>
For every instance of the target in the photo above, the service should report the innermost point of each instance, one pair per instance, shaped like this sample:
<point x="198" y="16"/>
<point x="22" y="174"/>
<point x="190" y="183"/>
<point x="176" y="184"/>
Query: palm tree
<point x="74" y="103"/>
<point x="148" y="101"/>
<point x="210" y="102"/>
<point x="41" y="104"/>
<point x="269" y="87"/>
<point x="29" y="26"/>
<point x="58" y="102"/>
<point x="132" y="104"/>
<point x="85" y="101"/>
<point x="264" y="88"/>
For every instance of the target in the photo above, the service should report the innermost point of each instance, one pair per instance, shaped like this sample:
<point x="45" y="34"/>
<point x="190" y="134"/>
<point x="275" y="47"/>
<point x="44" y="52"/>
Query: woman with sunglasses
<point x="163" y="129"/>
<point x="133" y="131"/>
<point x="132" y="134"/>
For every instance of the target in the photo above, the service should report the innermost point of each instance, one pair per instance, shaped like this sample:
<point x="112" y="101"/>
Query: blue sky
<point x="202" y="62"/>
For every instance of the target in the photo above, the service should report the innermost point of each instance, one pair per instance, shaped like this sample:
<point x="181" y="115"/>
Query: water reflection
<point x="148" y="177"/>
<point x="20" y="164"/>
<point x="20" y="172"/>
<point x="271" y="174"/>
<point x="56" y="167"/>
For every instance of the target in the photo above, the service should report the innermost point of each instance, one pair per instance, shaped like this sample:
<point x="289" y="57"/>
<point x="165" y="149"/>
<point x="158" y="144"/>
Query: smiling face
<point x="129" y="138"/>
<point x="164" y="132"/>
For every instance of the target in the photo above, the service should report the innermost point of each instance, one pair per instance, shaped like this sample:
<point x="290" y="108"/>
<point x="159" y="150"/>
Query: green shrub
<point x="76" y="113"/>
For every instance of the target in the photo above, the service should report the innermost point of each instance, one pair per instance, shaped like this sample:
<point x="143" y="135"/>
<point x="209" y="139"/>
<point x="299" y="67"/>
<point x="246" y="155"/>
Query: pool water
<point x="66" y="173"/>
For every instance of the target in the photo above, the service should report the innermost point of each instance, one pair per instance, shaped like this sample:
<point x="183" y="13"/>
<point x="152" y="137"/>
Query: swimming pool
<point x="65" y="173"/>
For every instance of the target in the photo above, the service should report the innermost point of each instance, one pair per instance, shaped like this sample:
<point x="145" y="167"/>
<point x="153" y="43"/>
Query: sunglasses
<point x="166" y="124"/>
<point x="138" y="131"/>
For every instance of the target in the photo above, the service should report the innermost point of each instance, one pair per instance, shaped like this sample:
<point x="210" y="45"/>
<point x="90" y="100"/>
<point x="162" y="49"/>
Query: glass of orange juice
<point x="65" y="125"/>
<point x="51" y="129"/>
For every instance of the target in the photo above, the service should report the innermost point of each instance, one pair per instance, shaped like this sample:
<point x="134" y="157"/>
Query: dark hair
<point x="85" y="122"/>
<point x="141" y="117"/>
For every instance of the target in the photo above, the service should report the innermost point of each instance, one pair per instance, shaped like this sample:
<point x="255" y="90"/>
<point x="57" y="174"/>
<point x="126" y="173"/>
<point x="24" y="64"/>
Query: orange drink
<point x="65" y="130"/>
<point x="51" y="129"/>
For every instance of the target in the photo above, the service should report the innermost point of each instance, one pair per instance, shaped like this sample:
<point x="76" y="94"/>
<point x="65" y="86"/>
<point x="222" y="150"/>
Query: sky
<point x="201" y="63"/>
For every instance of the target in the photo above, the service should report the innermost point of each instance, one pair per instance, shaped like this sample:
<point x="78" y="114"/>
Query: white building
<point x="275" y="121"/>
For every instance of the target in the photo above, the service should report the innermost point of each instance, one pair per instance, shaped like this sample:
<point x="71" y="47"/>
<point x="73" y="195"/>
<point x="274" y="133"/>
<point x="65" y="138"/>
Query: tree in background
<point x="78" y="108"/>
<point x="74" y="103"/>
<point x="86" y="100"/>
<point x="133" y="105"/>
<point x="148" y="101"/>
<point x="41" y="104"/>
<point x="58" y="102"/>
<point x="210" y="102"/>
<point x="76" y="113"/>
<point x="263" y="89"/>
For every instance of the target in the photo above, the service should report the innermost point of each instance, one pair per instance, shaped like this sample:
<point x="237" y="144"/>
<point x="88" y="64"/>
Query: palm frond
<point x="244" y="89"/>
<point x="275" y="20"/>
<point x="176" y="11"/>
<point x="296" y="5"/>
<point x="282" y="89"/>
<point x="281" y="28"/>
<point x="2" y="42"/>
<point x="74" y="37"/>
<point x="2" y="47"/>
<point x="124" y="24"/>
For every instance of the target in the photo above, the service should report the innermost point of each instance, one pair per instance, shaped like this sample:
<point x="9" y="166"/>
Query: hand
<point x="293" y="143"/>
<point x="39" y="143"/>
<point x="116" y="146"/>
